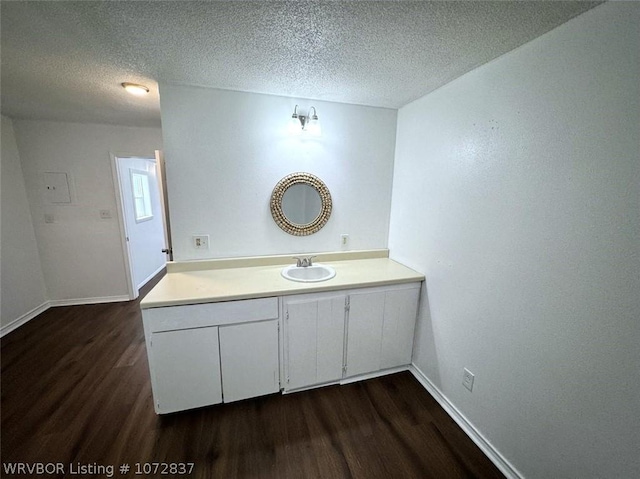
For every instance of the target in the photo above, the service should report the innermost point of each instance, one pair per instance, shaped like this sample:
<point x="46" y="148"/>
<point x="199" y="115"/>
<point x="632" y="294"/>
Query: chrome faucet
<point x="304" y="261"/>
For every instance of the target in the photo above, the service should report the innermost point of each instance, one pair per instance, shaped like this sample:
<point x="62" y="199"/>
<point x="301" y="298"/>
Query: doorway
<point x="143" y="217"/>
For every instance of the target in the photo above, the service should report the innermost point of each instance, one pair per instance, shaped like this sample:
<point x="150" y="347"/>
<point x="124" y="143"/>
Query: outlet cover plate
<point x="467" y="379"/>
<point x="201" y="241"/>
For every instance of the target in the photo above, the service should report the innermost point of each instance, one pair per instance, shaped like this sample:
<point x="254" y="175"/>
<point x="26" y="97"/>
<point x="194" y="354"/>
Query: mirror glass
<point x="301" y="204"/>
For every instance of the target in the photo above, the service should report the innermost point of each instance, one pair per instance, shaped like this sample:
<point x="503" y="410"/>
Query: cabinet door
<point x="315" y="341"/>
<point x="364" y="333"/>
<point x="400" y="310"/>
<point x="186" y="369"/>
<point x="250" y="360"/>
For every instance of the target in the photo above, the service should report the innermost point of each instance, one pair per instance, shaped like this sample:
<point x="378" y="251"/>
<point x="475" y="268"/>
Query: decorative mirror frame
<point x="276" y="204"/>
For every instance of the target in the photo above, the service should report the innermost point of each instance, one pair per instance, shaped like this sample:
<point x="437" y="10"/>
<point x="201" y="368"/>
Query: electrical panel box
<point x="57" y="188"/>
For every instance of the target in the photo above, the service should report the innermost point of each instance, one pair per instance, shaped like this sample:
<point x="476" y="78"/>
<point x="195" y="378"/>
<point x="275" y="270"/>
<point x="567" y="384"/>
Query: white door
<point x="250" y="360"/>
<point x="186" y="369"/>
<point x="143" y="217"/>
<point x="364" y="332"/>
<point x="315" y="341"/>
<point x="164" y="196"/>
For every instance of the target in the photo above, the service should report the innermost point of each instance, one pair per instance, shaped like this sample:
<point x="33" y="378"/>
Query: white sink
<point x="308" y="274"/>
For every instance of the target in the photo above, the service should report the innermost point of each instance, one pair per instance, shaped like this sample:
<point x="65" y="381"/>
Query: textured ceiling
<point x="66" y="60"/>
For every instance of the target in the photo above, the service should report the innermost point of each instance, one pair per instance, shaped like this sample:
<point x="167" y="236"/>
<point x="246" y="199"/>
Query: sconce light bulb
<point x="135" y="89"/>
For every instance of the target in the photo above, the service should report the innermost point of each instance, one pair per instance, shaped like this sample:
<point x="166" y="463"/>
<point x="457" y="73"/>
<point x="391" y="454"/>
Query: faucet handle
<point x="298" y="261"/>
<point x="309" y="260"/>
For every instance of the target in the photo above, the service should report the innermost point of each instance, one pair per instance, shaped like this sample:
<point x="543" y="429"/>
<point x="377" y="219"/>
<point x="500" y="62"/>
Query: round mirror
<point x="301" y="204"/>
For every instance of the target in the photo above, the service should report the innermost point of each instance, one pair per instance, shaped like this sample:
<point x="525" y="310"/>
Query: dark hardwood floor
<point x="76" y="390"/>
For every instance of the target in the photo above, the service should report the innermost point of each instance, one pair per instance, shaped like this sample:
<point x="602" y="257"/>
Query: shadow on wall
<point x="425" y="355"/>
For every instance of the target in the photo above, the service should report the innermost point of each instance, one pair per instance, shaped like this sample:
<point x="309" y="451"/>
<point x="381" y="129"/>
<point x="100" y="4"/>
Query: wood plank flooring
<point x="76" y="390"/>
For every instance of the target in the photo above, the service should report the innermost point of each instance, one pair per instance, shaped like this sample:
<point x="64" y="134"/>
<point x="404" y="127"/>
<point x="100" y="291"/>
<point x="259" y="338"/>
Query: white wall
<point x="516" y="192"/>
<point x="23" y="289"/>
<point x="225" y="151"/>
<point x="81" y="254"/>
<point x="146" y="238"/>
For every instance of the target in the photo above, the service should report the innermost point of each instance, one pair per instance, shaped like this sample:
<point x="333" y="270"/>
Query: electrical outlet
<point x="201" y="242"/>
<point x="105" y="214"/>
<point x="467" y="379"/>
<point x="49" y="218"/>
<point x="344" y="241"/>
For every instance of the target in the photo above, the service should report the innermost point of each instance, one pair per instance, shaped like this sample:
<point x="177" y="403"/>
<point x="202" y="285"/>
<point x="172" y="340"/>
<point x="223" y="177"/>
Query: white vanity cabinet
<point x="205" y="354"/>
<point x="209" y="353"/>
<point x="332" y="336"/>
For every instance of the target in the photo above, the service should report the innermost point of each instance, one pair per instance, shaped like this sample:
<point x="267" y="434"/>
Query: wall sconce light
<point x="308" y="123"/>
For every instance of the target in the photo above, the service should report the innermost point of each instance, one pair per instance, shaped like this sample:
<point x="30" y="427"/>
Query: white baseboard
<point x="97" y="300"/>
<point x="352" y="379"/>
<point x="491" y="452"/>
<point x="151" y="276"/>
<point x="375" y="374"/>
<point x="16" y="323"/>
<point x="309" y="388"/>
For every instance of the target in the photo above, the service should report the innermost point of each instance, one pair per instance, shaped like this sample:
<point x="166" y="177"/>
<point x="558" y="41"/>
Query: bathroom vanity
<point x="225" y="330"/>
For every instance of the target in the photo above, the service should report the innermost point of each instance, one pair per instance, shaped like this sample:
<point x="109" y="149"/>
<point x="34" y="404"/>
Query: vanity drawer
<point x="173" y="318"/>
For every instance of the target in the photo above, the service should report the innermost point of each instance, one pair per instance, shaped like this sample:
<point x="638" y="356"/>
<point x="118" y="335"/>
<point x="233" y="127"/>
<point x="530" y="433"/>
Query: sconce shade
<point x="313" y="126"/>
<point x="295" y="126"/>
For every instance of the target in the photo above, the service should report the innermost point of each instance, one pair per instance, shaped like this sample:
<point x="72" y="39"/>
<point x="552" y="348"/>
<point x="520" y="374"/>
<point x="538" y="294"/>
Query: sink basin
<point x="309" y="274"/>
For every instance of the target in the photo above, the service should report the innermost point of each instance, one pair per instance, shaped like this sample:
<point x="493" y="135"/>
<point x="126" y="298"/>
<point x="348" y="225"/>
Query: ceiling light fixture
<point x="309" y="122"/>
<point x="135" y="89"/>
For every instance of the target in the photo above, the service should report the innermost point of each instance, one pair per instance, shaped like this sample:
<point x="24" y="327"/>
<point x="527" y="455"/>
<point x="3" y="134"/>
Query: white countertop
<point x="183" y="286"/>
